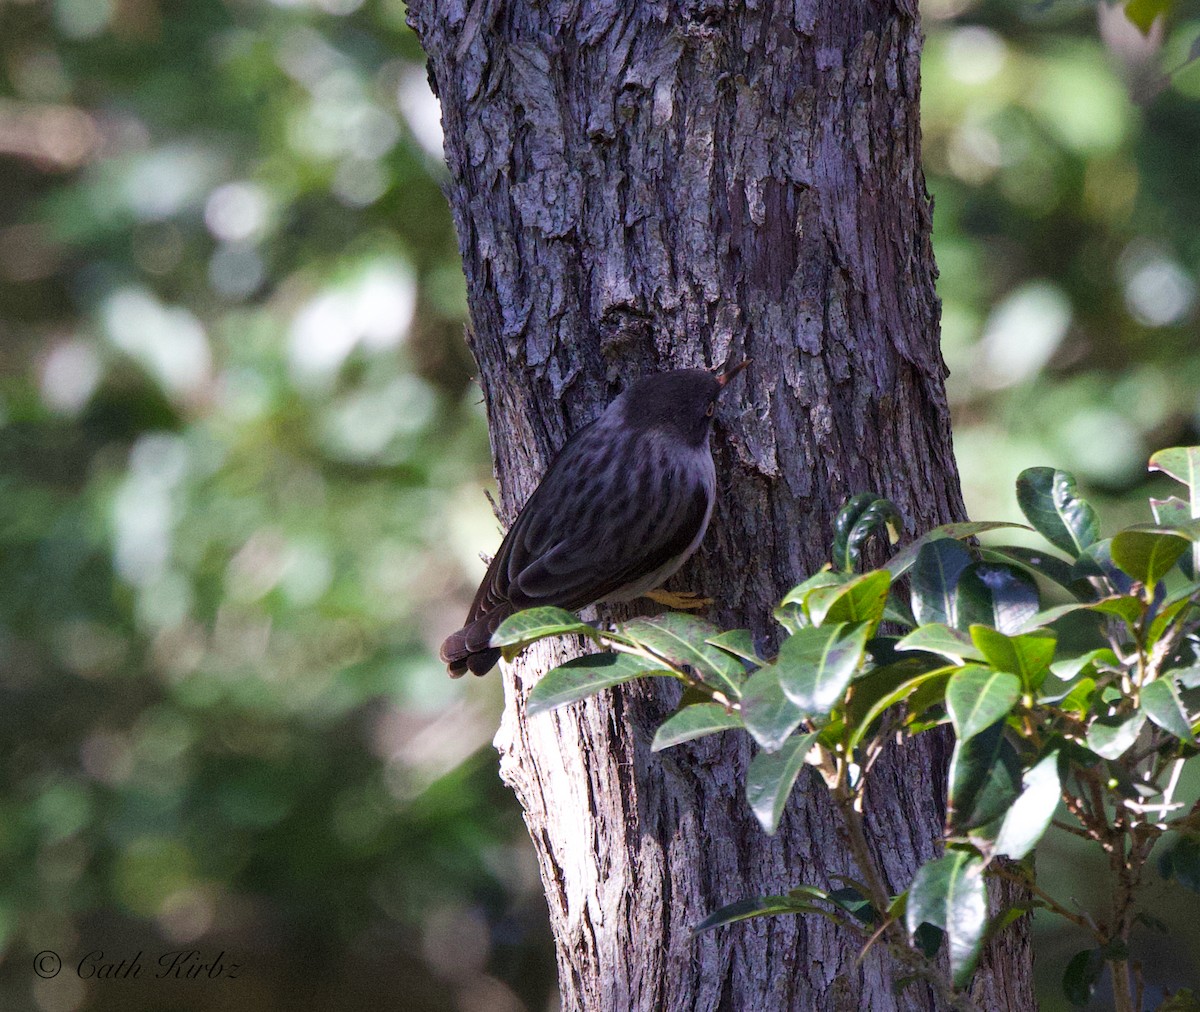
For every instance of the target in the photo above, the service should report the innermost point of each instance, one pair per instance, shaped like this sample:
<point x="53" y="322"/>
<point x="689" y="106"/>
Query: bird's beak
<point x="724" y="377"/>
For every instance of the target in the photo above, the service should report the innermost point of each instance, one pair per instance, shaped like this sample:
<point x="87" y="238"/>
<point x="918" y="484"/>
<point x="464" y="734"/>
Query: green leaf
<point x="1144" y="13"/>
<point x="525" y="627"/>
<point x="1161" y="703"/>
<point x="1171" y="511"/>
<point x="1148" y="553"/>
<point x="1166" y="618"/>
<point x="985" y="779"/>
<point x="1027" y="656"/>
<point x="816" y="665"/>
<point x="1181" y="861"/>
<point x="1029" y="817"/>
<point x="1091" y="663"/>
<point x="977" y="697"/>
<point x="861" y="600"/>
<point x="1127" y="608"/>
<point x="897" y="608"/>
<point x="738" y="642"/>
<point x="1183" y="464"/>
<point x="693" y="722"/>
<point x="683" y="639"/>
<point x="758" y="906"/>
<point x="767" y="713"/>
<point x="1050" y="502"/>
<point x="1095" y="565"/>
<point x="884" y="687"/>
<point x="1033" y="561"/>
<point x="852" y="900"/>
<point x="1081" y="974"/>
<point x="993" y="595"/>
<point x="949" y="893"/>
<point x="825" y="578"/>
<point x="585" y="676"/>
<point x="863" y="515"/>
<point x="1079" y="699"/>
<point x="941" y="639"/>
<point x="771" y="776"/>
<point x="902" y="561"/>
<point x="934" y="578"/>
<point x="1111" y="737"/>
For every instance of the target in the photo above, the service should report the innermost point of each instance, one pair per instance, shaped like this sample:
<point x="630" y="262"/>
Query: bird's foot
<point x="682" y="600"/>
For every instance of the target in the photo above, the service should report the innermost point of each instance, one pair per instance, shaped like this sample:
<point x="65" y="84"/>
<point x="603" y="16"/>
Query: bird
<point x="622" y="506"/>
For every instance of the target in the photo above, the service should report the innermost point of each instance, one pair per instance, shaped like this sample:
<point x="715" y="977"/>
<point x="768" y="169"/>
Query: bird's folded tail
<point x="469" y="649"/>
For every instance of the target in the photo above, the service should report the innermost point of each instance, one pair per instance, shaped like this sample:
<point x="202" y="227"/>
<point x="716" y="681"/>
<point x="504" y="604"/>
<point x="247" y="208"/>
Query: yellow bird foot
<point x="682" y="600"/>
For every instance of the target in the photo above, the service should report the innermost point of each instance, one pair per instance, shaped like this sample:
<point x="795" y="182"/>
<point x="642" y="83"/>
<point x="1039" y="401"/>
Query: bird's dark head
<point x="682" y="402"/>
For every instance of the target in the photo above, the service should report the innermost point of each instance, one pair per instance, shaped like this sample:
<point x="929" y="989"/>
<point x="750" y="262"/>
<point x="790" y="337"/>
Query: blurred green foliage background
<point x="242" y="467"/>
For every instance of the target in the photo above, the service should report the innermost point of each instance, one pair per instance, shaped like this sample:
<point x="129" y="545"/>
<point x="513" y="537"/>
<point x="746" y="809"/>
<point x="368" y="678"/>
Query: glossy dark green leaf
<point x="693" y="722"/>
<point x="1052" y="504"/>
<point x="1111" y="737"/>
<point x="1027" y="656"/>
<point x="902" y="561"/>
<point x="993" y="595"/>
<point x="767" y="713"/>
<point x="816" y="665"/>
<point x="949" y="893"/>
<point x="683" y="639"/>
<point x="941" y="639"/>
<point x="861" y="600"/>
<point x="1027" y="820"/>
<point x="985" y="779"/>
<point x="863" y="516"/>
<point x="758" y="906"/>
<point x="738" y="642"/>
<point x="1096" y="567"/>
<point x="898" y="609"/>
<point x="525" y="627"/>
<point x="1080" y="977"/>
<point x="585" y="676"/>
<point x="1161" y="703"/>
<point x="852" y="900"/>
<point x="883" y="688"/>
<point x="934" y="578"/>
<point x="1146" y="553"/>
<point x="1032" y="560"/>
<point x="1126" y="608"/>
<point x="771" y="776"/>
<point x="1181" y="860"/>
<point x="978" y="696"/>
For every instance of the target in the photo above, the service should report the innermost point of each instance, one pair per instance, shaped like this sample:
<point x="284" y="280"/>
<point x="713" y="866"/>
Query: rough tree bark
<point x="644" y="185"/>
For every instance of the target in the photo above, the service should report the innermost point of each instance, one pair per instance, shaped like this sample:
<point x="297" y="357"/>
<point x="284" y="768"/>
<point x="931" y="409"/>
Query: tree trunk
<point x="640" y="186"/>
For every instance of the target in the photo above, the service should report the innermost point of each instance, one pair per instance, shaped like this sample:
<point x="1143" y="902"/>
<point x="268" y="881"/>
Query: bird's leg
<point x="680" y="600"/>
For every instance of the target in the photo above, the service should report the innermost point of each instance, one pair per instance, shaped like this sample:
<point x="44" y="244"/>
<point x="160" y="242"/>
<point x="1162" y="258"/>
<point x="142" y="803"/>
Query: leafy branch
<point x="1101" y="729"/>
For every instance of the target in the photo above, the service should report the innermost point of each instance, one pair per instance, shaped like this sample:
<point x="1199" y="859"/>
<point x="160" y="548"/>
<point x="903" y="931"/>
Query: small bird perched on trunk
<point x="623" y="505"/>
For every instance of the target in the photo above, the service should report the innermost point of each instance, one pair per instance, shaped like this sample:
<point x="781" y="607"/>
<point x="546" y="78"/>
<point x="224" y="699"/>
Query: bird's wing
<point x="527" y="537"/>
<point x="581" y="568"/>
<point x="582" y="536"/>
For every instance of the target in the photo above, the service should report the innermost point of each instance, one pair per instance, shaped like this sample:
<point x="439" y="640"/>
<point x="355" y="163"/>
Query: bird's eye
<point x="711" y="409"/>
